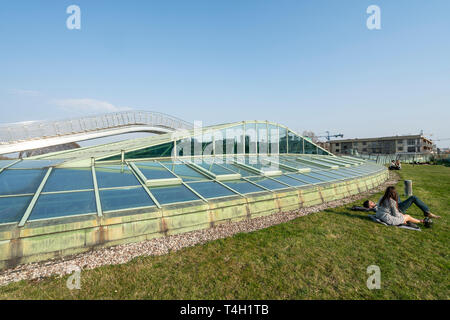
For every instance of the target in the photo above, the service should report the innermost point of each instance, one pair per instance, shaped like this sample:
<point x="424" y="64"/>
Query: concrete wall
<point x="39" y="241"/>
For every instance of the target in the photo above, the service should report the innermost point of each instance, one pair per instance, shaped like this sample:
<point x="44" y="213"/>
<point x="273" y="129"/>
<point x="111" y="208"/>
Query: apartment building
<point x="383" y="145"/>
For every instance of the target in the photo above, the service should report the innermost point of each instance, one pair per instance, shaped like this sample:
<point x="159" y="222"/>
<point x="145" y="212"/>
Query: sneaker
<point x="412" y="225"/>
<point x="427" y="222"/>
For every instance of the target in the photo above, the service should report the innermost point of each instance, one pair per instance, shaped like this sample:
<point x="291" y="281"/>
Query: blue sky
<point x="311" y="65"/>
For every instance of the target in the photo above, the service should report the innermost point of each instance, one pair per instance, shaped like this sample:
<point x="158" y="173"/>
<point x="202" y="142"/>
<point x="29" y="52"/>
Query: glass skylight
<point x="136" y="186"/>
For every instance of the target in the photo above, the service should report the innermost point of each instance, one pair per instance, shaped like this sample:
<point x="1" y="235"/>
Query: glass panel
<point x="238" y="137"/>
<point x="115" y="176"/>
<point x="207" y="143"/>
<point x="290" y="181"/>
<point x="153" y="170"/>
<point x="361" y="169"/>
<point x="169" y="161"/>
<point x="63" y="205"/>
<point x="186" y="173"/>
<point x="210" y="189"/>
<point x="125" y="199"/>
<point x="305" y="178"/>
<point x="196" y="146"/>
<point x="229" y="140"/>
<point x="250" y="138"/>
<point x="320" y="176"/>
<point x="295" y="164"/>
<point x="214" y="168"/>
<point x="69" y="179"/>
<point x="268" y="183"/>
<point x="260" y="164"/>
<point x="263" y="139"/>
<point x="242" y="172"/>
<point x="321" y="151"/>
<point x="346" y="172"/>
<point x="13" y="208"/>
<point x="243" y="186"/>
<point x="162" y="150"/>
<point x="20" y="181"/>
<point x="219" y="142"/>
<point x="295" y="143"/>
<point x="308" y="165"/>
<point x="166" y="195"/>
<point x="338" y="174"/>
<point x="35" y="164"/>
<point x="274" y="139"/>
<point x="283" y="140"/>
<point x="310" y="148"/>
<point x="4" y="163"/>
<point x="184" y="147"/>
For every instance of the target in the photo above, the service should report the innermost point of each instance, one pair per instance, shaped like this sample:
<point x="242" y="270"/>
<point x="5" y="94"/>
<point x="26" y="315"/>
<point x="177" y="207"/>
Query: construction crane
<point x="328" y="136"/>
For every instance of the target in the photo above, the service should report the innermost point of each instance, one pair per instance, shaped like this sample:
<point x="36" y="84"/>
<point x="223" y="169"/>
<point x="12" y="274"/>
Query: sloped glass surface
<point x="173" y="194"/>
<point x="241" y="171"/>
<point x="153" y="170"/>
<point x="117" y="199"/>
<point x="214" y="168"/>
<point x="283" y="140"/>
<point x="274" y="139"/>
<point x="268" y="183"/>
<point x="186" y="173"/>
<point x="163" y="150"/>
<point x="294" y="164"/>
<point x="310" y="148"/>
<point x="290" y="181"/>
<point x="346" y="172"/>
<point x="115" y="176"/>
<point x="243" y="186"/>
<point x="338" y="174"/>
<point x="210" y="189"/>
<point x="20" y="181"/>
<point x="295" y="143"/>
<point x="320" y="176"/>
<point x="64" y="205"/>
<point x="13" y="208"/>
<point x="69" y="179"/>
<point x="305" y="178"/>
<point x="4" y="163"/>
<point x="35" y="164"/>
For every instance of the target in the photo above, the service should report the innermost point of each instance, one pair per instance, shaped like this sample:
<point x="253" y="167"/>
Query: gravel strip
<point x="160" y="246"/>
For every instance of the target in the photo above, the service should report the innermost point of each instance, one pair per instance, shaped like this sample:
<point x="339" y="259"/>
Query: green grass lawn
<point x="320" y="256"/>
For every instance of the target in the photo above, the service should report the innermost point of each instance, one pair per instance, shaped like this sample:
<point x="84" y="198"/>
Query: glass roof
<point x="115" y="187"/>
<point x="115" y="176"/>
<point x="35" y="164"/>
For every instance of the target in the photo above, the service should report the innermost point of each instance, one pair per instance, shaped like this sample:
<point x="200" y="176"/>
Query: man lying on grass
<point x="391" y="211"/>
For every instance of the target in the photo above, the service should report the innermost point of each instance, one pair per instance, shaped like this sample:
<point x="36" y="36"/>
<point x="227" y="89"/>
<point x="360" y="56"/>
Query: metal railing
<point x="402" y="157"/>
<point x="31" y="130"/>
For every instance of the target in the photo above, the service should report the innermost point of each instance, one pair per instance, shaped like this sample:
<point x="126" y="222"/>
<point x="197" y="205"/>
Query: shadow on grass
<point x="353" y="214"/>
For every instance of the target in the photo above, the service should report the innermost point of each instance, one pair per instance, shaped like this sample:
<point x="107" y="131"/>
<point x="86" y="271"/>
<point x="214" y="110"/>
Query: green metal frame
<point x="27" y="213"/>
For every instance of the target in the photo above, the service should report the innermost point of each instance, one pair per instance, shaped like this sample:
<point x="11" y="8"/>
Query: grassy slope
<point x="320" y="256"/>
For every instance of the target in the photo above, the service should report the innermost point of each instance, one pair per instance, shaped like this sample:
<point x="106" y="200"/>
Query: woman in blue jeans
<point x="392" y="211"/>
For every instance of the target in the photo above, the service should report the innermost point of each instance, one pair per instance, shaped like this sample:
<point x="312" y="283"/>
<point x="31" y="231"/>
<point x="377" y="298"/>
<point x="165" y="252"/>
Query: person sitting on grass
<point x="392" y="212"/>
<point x="395" y="165"/>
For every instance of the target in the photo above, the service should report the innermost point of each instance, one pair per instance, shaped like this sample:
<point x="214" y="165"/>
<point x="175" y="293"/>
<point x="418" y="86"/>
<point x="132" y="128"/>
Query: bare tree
<point x="311" y="135"/>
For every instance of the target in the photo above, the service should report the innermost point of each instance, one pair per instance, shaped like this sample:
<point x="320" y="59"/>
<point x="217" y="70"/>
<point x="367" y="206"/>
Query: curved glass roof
<point x="200" y="165"/>
<point x="34" y="192"/>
